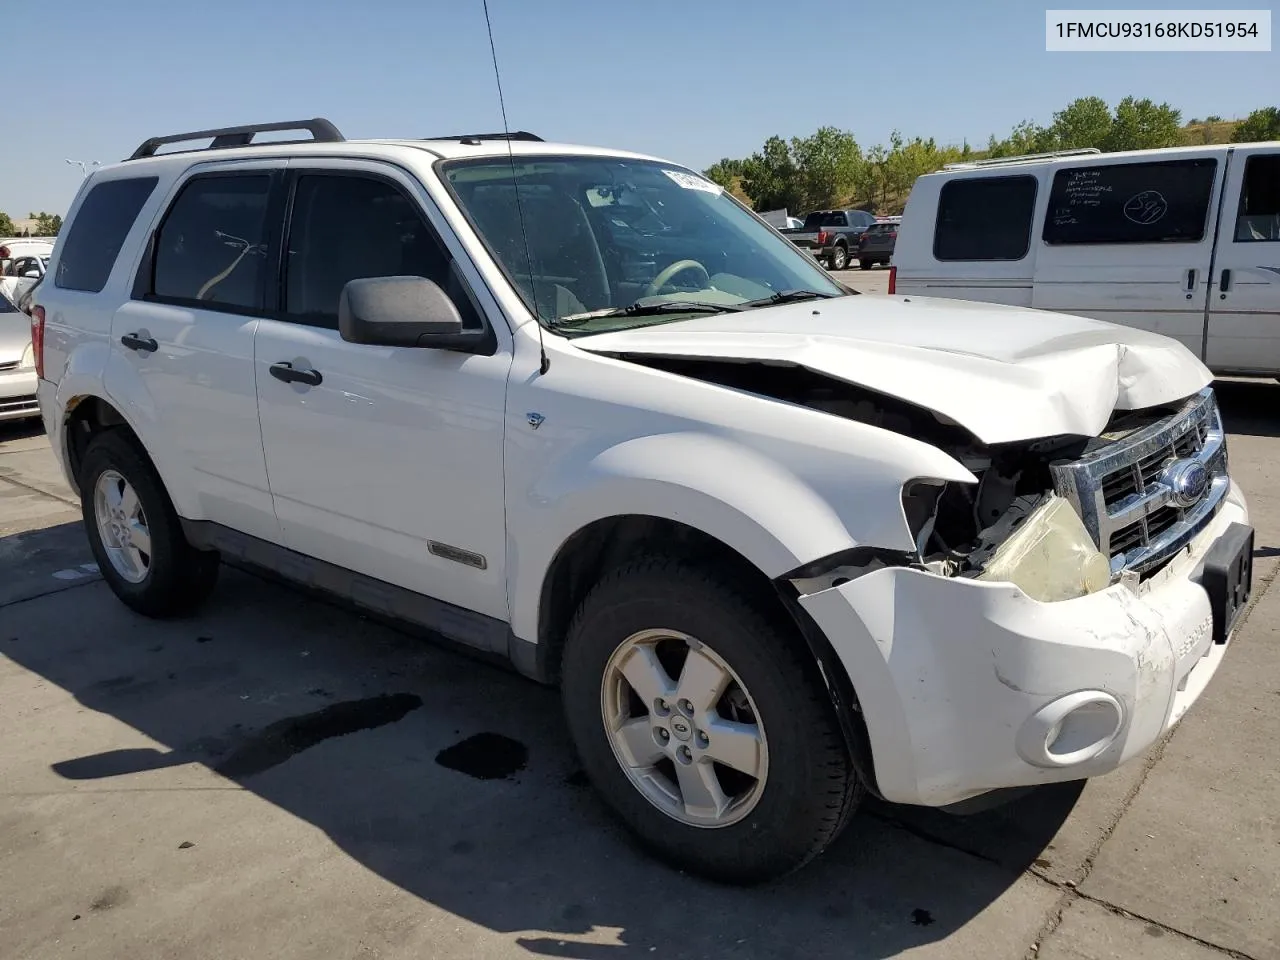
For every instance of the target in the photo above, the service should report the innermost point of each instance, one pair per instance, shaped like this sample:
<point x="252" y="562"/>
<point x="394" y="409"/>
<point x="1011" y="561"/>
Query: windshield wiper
<point x="789" y="296"/>
<point x="642" y="309"/>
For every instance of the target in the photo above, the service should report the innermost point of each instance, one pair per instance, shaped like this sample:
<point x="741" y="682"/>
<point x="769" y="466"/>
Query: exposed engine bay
<point x="1010" y="526"/>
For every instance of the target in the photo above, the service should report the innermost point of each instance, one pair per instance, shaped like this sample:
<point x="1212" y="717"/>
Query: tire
<point x="866" y="264"/>
<point x="839" y="258"/>
<point x="170" y="577"/>
<point x="808" y="788"/>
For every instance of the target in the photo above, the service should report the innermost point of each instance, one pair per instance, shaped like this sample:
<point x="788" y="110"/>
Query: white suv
<point x="778" y="544"/>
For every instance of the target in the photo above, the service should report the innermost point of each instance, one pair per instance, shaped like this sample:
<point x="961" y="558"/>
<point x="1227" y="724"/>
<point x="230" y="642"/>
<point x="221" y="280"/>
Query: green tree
<point x="729" y="173"/>
<point x="827" y="165"/>
<point x="1143" y="125"/>
<point x="1085" y="122"/>
<point x="1026" y="137"/>
<point x="771" y="179"/>
<point x="1263" y="124"/>
<point x="6" y="225"/>
<point x="47" y="224"/>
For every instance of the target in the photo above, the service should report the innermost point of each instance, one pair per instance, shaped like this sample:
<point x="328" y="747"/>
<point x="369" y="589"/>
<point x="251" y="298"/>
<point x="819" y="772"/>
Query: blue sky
<point x="690" y="80"/>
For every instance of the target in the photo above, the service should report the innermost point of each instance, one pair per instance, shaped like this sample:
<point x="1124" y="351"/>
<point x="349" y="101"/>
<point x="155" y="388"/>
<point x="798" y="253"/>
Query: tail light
<point x="37" y="338"/>
<point x="893" y="279"/>
<point x="822" y="236"/>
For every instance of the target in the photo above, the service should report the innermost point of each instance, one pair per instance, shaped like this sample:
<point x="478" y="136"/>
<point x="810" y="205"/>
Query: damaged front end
<point x="1065" y="517"/>
<point x="1062" y="517"/>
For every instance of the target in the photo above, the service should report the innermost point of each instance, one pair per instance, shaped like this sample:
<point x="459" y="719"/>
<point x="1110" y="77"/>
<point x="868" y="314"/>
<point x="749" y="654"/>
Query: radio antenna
<point x="545" y="362"/>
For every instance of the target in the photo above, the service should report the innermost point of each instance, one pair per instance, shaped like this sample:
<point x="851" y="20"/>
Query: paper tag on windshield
<point x="691" y="182"/>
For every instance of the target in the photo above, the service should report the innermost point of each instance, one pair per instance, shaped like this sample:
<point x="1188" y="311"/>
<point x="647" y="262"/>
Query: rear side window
<point x="1259" y="216"/>
<point x="824" y="219"/>
<point x="1153" y="202"/>
<point x="392" y="239"/>
<point x="211" y="249"/>
<point x="985" y="218"/>
<point x="97" y="233"/>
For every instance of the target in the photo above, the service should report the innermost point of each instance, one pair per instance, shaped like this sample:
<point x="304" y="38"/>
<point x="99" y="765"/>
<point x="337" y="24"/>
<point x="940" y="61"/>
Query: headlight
<point x="1050" y="556"/>
<point x="28" y="360"/>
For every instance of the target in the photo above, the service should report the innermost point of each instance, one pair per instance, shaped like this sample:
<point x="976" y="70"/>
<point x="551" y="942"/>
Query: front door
<point x="182" y="347"/>
<point x="1244" y="302"/>
<point x="385" y="460"/>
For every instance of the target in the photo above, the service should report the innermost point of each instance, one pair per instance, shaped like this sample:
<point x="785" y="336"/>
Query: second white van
<point x="1182" y="241"/>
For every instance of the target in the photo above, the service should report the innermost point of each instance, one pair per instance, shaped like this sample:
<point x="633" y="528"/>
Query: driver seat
<point x="568" y="270"/>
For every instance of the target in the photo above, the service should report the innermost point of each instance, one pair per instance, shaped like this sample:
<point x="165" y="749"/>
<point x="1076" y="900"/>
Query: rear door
<point x="1130" y="241"/>
<point x="182" y="347"/>
<point x="1244" y="301"/>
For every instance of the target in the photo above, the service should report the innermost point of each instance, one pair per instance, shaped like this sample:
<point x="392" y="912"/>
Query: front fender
<point x="754" y="503"/>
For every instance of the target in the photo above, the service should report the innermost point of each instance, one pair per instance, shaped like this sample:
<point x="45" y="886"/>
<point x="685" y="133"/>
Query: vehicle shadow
<point x="455" y="781"/>
<point x="1250" y="407"/>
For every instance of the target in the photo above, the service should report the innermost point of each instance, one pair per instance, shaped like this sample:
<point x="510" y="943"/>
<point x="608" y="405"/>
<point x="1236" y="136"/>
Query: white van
<point x="1182" y="241"/>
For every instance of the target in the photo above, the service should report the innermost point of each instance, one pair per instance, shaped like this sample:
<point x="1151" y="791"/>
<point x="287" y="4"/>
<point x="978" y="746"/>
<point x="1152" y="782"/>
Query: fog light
<point x="1071" y="730"/>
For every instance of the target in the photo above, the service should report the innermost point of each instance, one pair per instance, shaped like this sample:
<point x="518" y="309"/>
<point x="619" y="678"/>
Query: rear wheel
<point x="866" y="264"/>
<point x="135" y="534"/>
<point x="701" y="726"/>
<point x="839" y="258"/>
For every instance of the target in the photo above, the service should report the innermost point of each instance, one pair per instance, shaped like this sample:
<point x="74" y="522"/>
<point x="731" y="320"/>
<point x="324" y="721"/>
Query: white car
<point x="17" y="363"/>
<point x="778" y="544"/>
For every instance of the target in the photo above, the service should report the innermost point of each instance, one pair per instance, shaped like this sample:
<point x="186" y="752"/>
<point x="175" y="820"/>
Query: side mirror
<point x="403" y="312"/>
<point x="33" y="273"/>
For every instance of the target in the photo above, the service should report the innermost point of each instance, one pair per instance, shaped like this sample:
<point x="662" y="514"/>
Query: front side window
<point x="985" y="218"/>
<point x="98" y="232"/>
<point x="347" y="228"/>
<point x="1259" y="216"/>
<point x="211" y="249"/>
<point x="1164" y="201"/>
<point x="594" y="243"/>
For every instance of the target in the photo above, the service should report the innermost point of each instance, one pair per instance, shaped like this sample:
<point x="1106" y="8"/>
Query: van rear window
<point x="97" y="233"/>
<point x="985" y="218"/>
<point x="1165" y="201"/>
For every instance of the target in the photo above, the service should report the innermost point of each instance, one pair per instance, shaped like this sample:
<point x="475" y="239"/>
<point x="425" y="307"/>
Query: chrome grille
<point x="1124" y="502"/>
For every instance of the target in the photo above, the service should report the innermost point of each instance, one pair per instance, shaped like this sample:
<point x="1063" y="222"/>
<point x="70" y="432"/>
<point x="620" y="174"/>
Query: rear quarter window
<point x="985" y="218"/>
<point x="1151" y="202"/>
<point x="98" y="231"/>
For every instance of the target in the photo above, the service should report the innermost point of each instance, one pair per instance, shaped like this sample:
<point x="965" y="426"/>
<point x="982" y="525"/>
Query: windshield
<point x="610" y="243"/>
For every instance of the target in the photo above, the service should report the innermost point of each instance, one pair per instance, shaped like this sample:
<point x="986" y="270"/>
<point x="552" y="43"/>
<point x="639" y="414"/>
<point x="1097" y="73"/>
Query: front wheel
<point x="839" y="258"/>
<point x="135" y="533"/>
<point x="701" y="724"/>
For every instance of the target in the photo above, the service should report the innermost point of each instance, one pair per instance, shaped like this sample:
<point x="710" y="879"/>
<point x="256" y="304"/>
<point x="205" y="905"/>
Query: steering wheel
<point x="680" y="266"/>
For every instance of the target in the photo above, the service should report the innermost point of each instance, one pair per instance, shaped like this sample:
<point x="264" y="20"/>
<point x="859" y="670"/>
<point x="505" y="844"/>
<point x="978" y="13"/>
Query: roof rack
<point x="473" y="138"/>
<point x="999" y="161"/>
<point x="321" y="130"/>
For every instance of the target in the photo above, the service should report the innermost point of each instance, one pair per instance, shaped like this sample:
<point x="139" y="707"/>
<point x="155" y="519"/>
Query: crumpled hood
<point x="1004" y="373"/>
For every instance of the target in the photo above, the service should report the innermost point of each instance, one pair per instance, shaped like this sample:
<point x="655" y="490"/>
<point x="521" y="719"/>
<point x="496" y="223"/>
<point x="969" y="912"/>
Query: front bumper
<point x="18" y="394"/>
<point x="960" y="682"/>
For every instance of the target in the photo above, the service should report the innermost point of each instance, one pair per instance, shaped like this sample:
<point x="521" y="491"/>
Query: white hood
<point x="1003" y="373"/>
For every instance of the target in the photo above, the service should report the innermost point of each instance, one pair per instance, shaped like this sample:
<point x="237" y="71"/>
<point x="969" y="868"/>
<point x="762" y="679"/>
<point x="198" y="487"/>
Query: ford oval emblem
<point x="1187" y="480"/>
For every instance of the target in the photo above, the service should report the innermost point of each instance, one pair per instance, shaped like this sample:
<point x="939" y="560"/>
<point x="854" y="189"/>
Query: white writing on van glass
<point x="1146" y="208"/>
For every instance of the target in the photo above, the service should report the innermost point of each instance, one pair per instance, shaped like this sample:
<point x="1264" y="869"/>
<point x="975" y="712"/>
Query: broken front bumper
<point x="967" y="687"/>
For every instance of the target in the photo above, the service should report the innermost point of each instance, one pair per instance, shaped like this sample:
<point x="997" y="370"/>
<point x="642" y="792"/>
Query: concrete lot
<point x="267" y="780"/>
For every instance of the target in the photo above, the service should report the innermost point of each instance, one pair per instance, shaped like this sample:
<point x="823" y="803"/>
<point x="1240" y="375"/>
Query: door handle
<point x="1225" y="285"/>
<point x="139" y="344"/>
<point x="1191" y="281"/>
<point x="285" y="371"/>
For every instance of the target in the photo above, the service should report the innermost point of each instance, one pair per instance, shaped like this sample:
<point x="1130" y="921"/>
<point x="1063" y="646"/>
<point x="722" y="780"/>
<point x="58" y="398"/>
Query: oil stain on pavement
<point x="276" y="743"/>
<point x="485" y="756"/>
